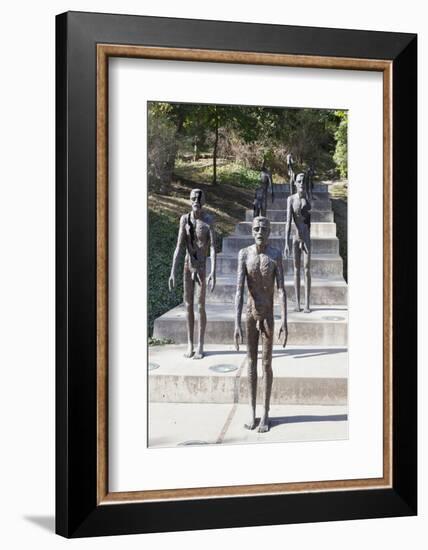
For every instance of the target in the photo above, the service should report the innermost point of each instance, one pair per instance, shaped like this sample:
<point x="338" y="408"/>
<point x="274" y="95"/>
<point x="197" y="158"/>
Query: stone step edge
<point x="230" y="390"/>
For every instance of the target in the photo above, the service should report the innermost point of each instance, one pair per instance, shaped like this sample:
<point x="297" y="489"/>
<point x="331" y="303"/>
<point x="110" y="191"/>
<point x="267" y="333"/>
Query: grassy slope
<point x="227" y="172"/>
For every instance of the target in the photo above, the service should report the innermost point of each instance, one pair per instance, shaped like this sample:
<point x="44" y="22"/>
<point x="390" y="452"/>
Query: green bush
<point x="162" y="240"/>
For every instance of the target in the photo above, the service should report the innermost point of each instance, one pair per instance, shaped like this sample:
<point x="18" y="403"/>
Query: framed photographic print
<point x="236" y="274"/>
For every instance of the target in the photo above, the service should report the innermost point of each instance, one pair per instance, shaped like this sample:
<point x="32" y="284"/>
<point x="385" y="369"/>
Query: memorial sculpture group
<point x="260" y="266"/>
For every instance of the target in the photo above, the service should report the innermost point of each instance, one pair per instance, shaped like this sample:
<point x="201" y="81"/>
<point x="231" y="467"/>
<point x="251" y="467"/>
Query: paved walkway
<point x="177" y="424"/>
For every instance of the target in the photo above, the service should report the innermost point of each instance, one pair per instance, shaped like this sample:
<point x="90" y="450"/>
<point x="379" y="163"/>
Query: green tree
<point x="341" y="135"/>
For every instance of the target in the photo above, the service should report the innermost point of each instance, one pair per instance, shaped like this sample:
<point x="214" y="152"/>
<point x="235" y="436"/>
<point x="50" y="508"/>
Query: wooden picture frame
<point x="84" y="505"/>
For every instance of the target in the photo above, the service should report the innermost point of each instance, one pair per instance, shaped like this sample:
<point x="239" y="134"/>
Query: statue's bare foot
<point x="306" y="310"/>
<point x="297" y="308"/>
<point x="251" y="424"/>
<point x="189" y="353"/>
<point x="199" y="354"/>
<point x="264" y="425"/>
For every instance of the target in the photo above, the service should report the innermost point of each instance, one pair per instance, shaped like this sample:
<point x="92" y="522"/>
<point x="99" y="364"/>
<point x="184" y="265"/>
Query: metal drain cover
<point x="153" y="366"/>
<point x="333" y="318"/>
<point x="193" y="443"/>
<point x="223" y="368"/>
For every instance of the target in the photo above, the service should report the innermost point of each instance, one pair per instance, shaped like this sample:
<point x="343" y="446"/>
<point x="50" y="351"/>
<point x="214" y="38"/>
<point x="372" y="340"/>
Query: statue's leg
<point x="307" y="273"/>
<point x="201" y="293"/>
<point x="296" y="263"/>
<point x="188" y="288"/>
<point x="267" y="344"/>
<point x="252" y="345"/>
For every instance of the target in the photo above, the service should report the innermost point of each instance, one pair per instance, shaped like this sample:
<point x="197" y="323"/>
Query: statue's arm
<point x="283" y="331"/>
<point x="213" y="255"/>
<point x="179" y="249"/>
<point x="288" y="226"/>
<point x="239" y="298"/>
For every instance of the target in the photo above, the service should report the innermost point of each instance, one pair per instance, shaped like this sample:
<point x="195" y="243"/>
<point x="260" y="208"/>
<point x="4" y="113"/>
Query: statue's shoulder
<point x="208" y="218"/>
<point x="183" y="219"/>
<point x="244" y="252"/>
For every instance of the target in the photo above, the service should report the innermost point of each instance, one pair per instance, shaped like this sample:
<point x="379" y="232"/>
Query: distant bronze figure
<point x="261" y="266"/>
<point x="259" y="202"/>
<point x="195" y="236"/>
<point x="299" y="210"/>
<point x="266" y="181"/>
<point x="290" y="171"/>
<point x="309" y="176"/>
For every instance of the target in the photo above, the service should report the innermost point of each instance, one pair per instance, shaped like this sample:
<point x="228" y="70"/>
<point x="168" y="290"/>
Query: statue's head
<point x="197" y="199"/>
<point x="300" y="182"/>
<point x="261" y="230"/>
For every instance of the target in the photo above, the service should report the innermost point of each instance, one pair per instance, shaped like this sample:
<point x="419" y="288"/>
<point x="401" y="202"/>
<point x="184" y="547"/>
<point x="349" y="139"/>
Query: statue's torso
<point x="300" y="208"/>
<point x="261" y="273"/>
<point x="197" y="234"/>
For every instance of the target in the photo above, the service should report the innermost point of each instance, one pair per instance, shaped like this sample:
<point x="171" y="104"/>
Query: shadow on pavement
<point x="304" y="353"/>
<point x="277" y="420"/>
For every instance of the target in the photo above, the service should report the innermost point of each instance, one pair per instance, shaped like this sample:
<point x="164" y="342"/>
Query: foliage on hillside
<point x="235" y="141"/>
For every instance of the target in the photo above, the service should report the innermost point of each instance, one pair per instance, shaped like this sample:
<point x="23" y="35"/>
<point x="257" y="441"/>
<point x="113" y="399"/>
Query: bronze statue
<point x="310" y="172"/>
<point x="259" y="202"/>
<point x="261" y="265"/>
<point x="266" y="181"/>
<point x="195" y="235"/>
<point x="299" y="210"/>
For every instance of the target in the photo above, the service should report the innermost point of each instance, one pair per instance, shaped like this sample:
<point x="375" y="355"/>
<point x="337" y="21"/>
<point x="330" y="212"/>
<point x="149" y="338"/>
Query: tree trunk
<point x="215" y="149"/>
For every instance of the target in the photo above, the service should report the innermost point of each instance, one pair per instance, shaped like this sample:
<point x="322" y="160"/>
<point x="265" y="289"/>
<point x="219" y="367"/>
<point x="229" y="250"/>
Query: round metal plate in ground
<point x="223" y="368"/>
<point x="333" y="318"/>
<point x="193" y="443"/>
<point x="153" y="366"/>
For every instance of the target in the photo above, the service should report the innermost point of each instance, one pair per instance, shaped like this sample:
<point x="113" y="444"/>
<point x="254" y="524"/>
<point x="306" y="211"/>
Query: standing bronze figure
<point x="310" y="172"/>
<point x="196" y="236"/>
<point x="259" y="203"/>
<point x="266" y="181"/>
<point x="261" y="266"/>
<point x="299" y="210"/>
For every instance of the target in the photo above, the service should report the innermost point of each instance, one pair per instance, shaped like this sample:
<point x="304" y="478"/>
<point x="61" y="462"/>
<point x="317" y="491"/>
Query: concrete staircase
<point x="326" y="325"/>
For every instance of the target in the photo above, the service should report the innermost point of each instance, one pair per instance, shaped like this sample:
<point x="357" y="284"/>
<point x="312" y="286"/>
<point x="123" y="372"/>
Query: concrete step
<point x="281" y="215"/>
<point x="301" y="375"/>
<point x="278" y="229"/>
<point x="319" y="245"/>
<point x="323" y="266"/>
<point x="319" y="187"/>
<point x="324" y="326"/>
<point x="323" y="291"/>
<point x="280" y="203"/>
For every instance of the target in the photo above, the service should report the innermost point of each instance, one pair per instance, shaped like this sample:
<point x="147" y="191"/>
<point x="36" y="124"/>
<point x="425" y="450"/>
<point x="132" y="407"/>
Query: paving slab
<point x="178" y="424"/>
<point x="184" y="425"/>
<point x="290" y="423"/>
